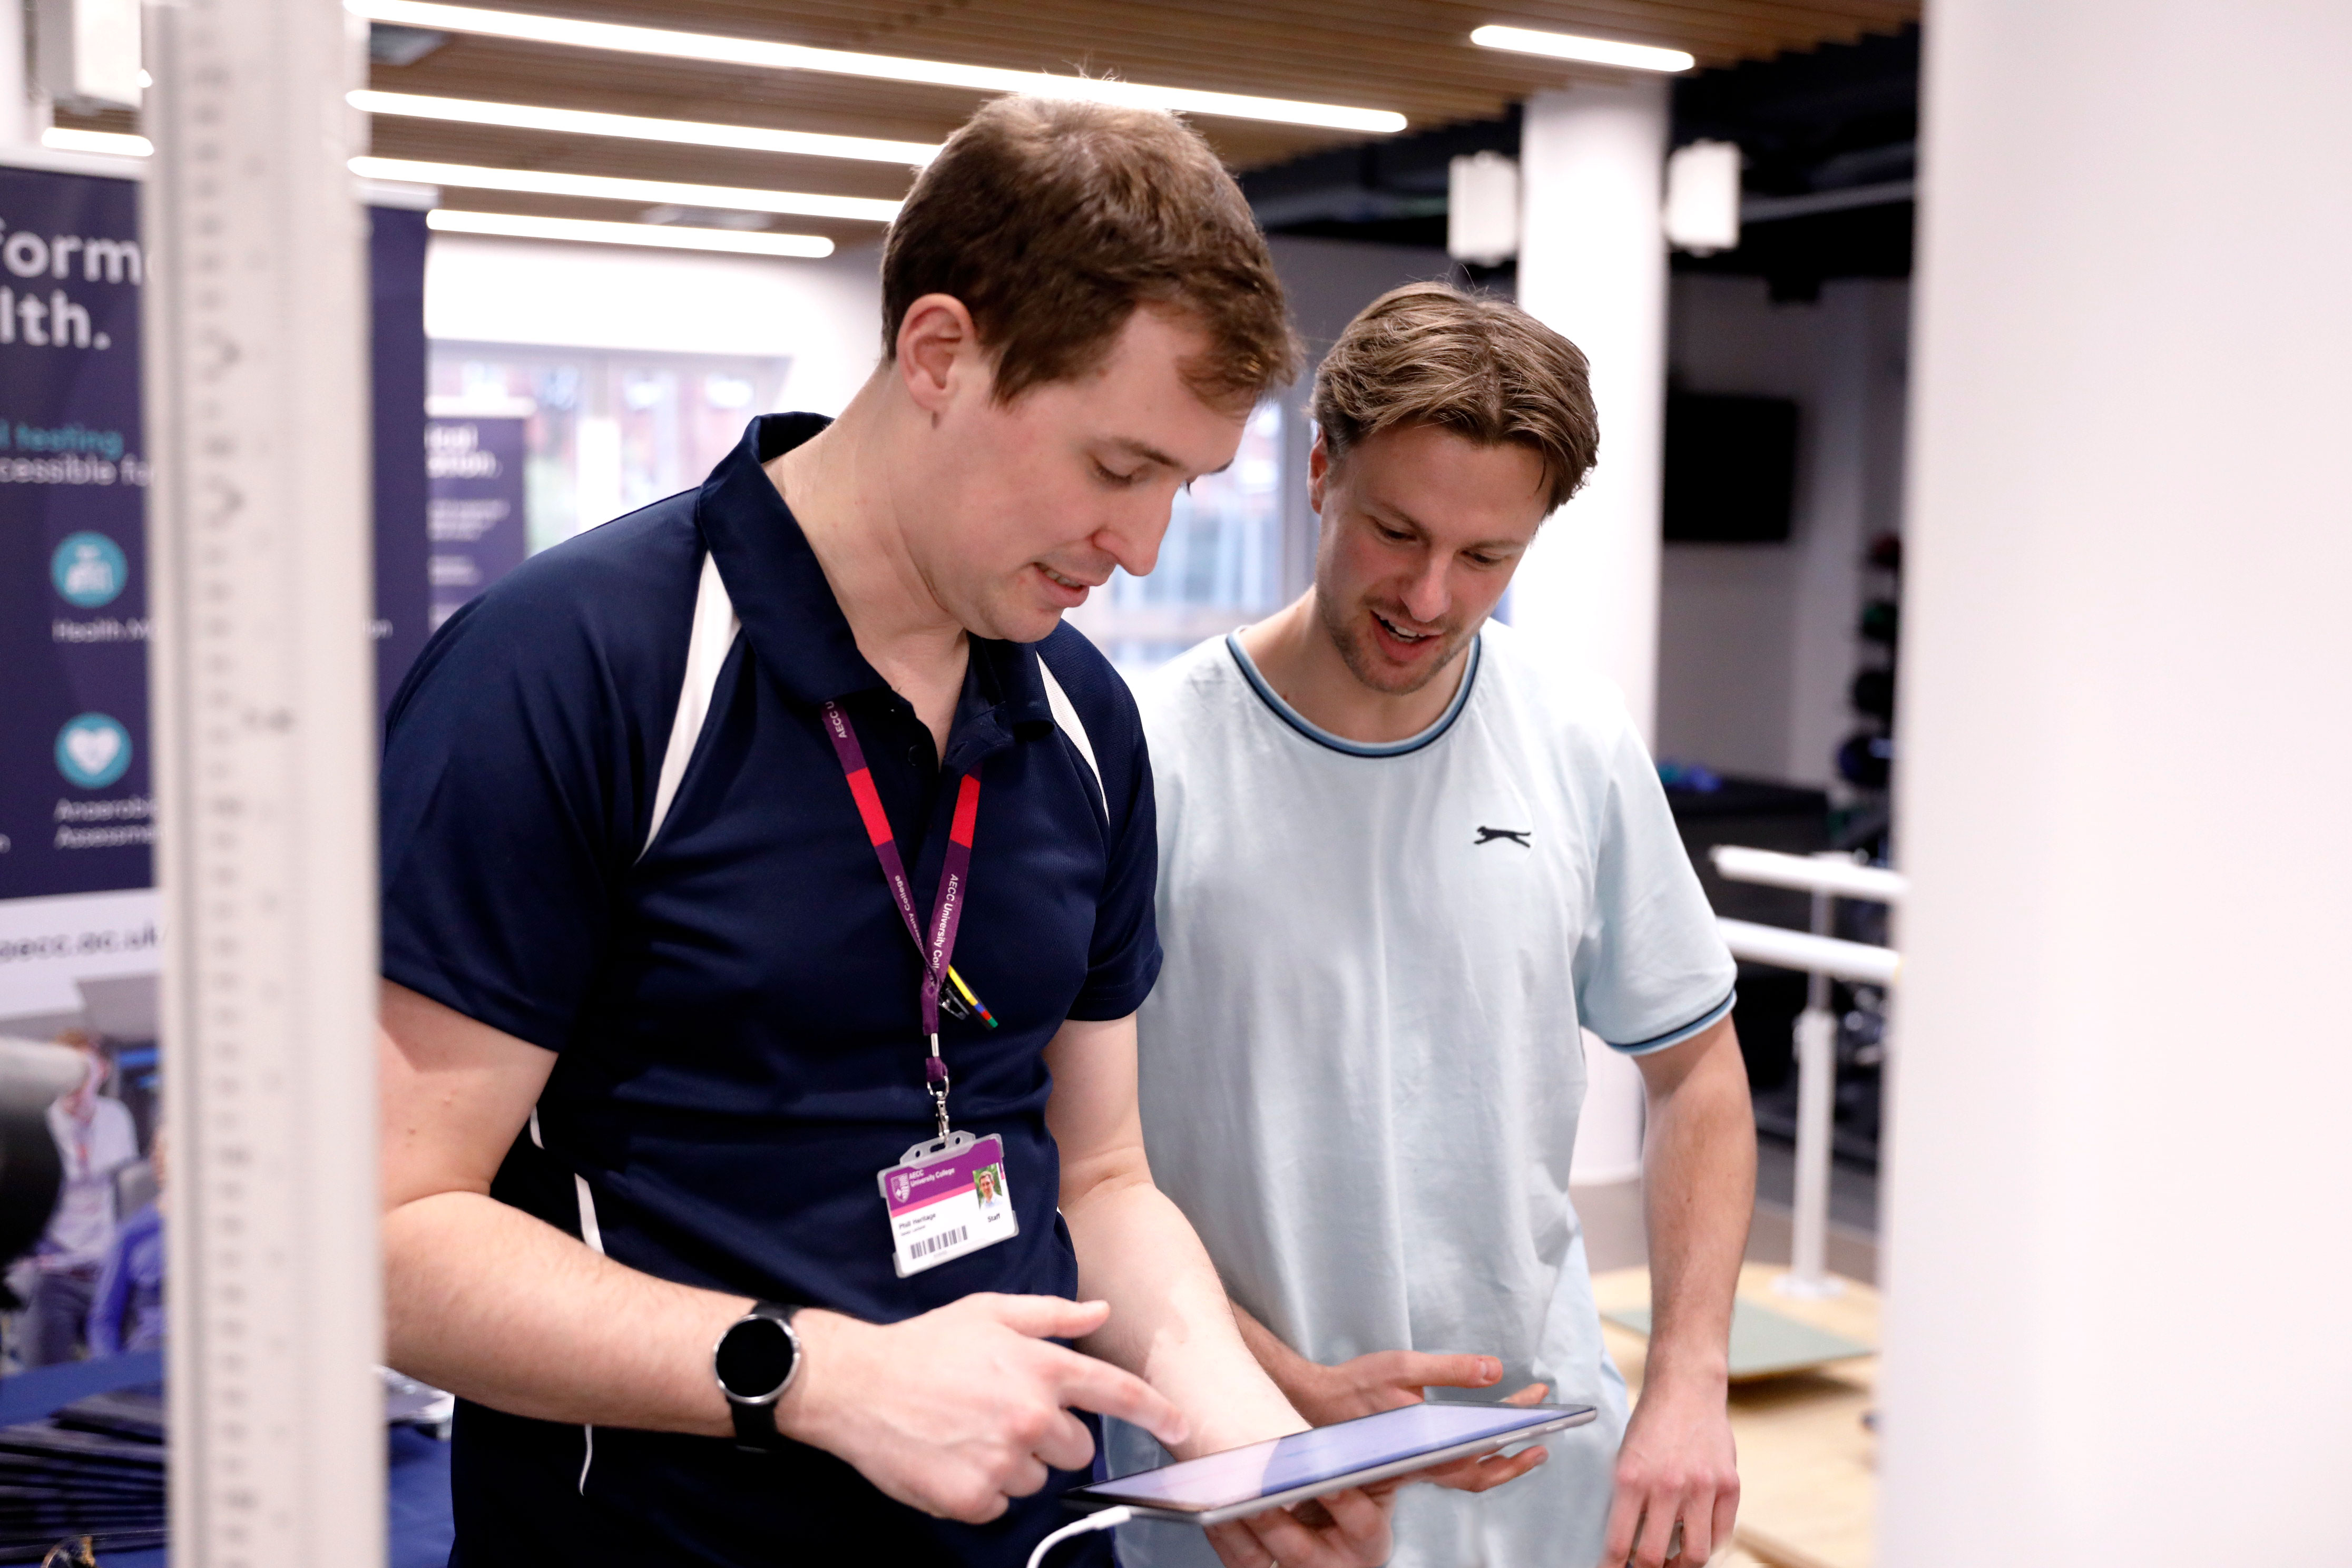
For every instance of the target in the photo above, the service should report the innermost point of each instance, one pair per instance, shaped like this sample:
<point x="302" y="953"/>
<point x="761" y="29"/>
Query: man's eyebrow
<point x="1397" y="515"/>
<point x="1152" y="454"/>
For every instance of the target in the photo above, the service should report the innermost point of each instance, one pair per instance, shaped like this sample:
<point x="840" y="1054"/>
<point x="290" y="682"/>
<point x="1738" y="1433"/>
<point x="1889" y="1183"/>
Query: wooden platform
<point x="1807" y="1466"/>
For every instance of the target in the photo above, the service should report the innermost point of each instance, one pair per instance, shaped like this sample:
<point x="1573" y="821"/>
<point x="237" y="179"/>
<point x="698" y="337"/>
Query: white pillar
<point x="19" y="121"/>
<point x="264" y="713"/>
<point x="1592" y="264"/>
<point x="2118" y="1216"/>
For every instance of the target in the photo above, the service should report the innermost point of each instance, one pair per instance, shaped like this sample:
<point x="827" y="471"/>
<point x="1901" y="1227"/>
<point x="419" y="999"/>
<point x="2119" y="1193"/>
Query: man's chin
<point x="1367" y="664"/>
<point x="1014" y="622"/>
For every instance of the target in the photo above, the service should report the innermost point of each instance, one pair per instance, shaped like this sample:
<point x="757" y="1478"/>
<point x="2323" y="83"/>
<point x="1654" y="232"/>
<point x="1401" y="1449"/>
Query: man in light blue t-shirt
<point x="1403" y="863"/>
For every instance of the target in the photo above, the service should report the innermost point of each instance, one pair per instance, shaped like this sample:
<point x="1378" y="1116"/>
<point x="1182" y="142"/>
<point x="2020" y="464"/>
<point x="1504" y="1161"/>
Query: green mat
<point x="1763" y="1342"/>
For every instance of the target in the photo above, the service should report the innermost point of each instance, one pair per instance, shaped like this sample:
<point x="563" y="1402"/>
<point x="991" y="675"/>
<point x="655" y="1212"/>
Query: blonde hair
<point x="1429" y="353"/>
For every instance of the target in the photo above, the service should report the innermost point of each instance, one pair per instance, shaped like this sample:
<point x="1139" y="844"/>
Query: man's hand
<point x="1345" y="1530"/>
<point x="1386" y="1380"/>
<point x="958" y="1410"/>
<point x="1678" y="1464"/>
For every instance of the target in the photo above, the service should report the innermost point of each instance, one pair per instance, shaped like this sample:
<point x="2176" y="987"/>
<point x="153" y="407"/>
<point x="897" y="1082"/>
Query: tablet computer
<point x="1215" y="1487"/>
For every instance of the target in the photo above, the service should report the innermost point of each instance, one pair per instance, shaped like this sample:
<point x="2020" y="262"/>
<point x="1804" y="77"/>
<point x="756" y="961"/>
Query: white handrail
<point x="1832" y="874"/>
<point x="1822" y="957"/>
<point x="1830" y="955"/>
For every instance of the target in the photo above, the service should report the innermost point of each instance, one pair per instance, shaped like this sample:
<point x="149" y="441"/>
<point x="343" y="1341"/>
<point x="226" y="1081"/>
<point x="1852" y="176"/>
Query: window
<point x="528" y="445"/>
<point x="1223" y="563"/>
<point x="599" y="433"/>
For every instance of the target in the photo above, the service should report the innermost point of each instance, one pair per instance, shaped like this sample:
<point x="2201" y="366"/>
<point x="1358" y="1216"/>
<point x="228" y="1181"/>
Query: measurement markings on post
<point x="262" y="699"/>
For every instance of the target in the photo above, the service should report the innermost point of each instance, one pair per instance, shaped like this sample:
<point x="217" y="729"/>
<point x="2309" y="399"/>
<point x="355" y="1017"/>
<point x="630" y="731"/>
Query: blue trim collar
<point x="1322" y="737"/>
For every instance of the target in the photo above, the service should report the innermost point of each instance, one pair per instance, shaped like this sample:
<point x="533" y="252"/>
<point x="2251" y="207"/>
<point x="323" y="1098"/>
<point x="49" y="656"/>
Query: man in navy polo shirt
<point x="772" y="988"/>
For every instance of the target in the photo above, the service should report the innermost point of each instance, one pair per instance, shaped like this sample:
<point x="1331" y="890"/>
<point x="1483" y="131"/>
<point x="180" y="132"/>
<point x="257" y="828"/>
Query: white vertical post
<point x="1592" y="264"/>
<point x="263" y="714"/>
<point x="2118" y="1228"/>
<point x="1816" y="1043"/>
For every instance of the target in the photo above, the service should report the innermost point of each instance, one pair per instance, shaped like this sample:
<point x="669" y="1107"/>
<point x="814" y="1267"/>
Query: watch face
<point x="755" y="1358"/>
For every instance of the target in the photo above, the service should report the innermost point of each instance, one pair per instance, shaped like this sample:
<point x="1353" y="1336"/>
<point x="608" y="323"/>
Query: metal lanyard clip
<point x="935" y="1075"/>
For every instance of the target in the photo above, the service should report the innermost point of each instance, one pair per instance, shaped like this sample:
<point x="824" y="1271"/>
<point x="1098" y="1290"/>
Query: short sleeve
<point x="504" y="759"/>
<point x="1652" y="970"/>
<point x="1123" y="958"/>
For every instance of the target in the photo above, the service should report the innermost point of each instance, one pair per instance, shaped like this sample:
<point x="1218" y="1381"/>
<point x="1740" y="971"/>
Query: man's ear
<point x="938" y="347"/>
<point x="1318" y="473"/>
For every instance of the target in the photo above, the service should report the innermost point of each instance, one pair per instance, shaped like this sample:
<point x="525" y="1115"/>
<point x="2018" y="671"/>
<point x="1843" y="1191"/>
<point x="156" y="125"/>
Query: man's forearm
<point x="1698" y="1185"/>
<point x="1170" y="1321"/>
<point x="1290" y="1371"/>
<point x="551" y="1330"/>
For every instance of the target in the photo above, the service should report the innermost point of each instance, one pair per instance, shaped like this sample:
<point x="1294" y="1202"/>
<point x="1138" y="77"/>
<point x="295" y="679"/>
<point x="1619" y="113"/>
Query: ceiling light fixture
<point x="763" y="53"/>
<point x="602" y="187"/>
<point x="1592" y="51"/>
<point x="637" y="128"/>
<point x="62" y="139"/>
<point x="663" y="237"/>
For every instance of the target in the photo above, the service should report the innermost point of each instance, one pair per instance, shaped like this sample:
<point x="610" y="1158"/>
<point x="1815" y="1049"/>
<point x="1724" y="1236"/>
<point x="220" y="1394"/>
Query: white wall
<point x="1757" y="644"/>
<point x="826" y="315"/>
<point x="2119" y="1249"/>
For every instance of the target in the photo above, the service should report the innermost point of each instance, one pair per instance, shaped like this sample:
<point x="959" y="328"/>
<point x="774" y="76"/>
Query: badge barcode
<point x="931" y="1244"/>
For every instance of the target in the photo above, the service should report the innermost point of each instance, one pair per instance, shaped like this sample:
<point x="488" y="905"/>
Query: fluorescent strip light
<point x="661" y="236"/>
<point x="59" y="139"/>
<point x="759" y="52"/>
<point x="1592" y="51"/>
<point x="797" y="203"/>
<point x="694" y="134"/>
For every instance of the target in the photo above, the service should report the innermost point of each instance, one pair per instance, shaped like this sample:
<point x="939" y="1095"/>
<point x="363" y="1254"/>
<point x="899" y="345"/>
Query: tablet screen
<point x="1307" y="1458"/>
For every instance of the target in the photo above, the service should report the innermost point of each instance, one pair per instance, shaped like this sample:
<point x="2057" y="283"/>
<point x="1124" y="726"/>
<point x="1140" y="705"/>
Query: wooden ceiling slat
<point x="1432" y="78"/>
<point x="1374" y="30"/>
<point x="1677" y="25"/>
<point x="673" y="96"/>
<point x="1412" y="56"/>
<point x="842" y="234"/>
<point x="1280" y="60"/>
<point x="496" y="148"/>
<point x="1416" y="52"/>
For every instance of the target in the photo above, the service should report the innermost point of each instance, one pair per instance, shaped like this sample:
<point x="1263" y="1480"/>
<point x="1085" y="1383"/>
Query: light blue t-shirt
<point x="1361" y="1067"/>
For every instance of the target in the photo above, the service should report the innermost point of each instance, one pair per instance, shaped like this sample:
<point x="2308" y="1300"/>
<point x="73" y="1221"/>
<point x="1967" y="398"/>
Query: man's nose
<point x="1426" y="597"/>
<point x="1132" y="537"/>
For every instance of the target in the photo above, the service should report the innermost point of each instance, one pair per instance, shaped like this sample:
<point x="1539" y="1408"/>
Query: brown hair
<point x="1428" y="353"/>
<point x="1052" y="219"/>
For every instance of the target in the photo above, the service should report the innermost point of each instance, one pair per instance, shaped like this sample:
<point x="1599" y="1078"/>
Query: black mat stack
<point x="94" y="1471"/>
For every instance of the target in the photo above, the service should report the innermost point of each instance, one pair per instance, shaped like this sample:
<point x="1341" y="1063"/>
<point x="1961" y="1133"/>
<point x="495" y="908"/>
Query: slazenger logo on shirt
<point x="1522" y="836"/>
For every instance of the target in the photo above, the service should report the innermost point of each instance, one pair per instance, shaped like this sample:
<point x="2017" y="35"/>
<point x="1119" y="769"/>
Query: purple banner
<point x="75" y="812"/>
<point x="396" y="242"/>
<point x="76" y="815"/>
<point x="475" y="521"/>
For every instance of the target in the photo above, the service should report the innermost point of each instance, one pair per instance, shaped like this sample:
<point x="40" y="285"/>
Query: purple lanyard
<point x="955" y="878"/>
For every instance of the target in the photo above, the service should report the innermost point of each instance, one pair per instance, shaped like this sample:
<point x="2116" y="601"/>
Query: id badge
<point x="947" y="1197"/>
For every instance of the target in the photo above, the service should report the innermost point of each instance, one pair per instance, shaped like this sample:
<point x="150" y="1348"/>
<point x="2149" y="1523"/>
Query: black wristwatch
<point x="756" y="1360"/>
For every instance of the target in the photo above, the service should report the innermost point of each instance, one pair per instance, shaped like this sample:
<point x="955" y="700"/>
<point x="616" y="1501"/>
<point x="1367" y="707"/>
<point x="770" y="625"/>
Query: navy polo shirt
<point x="735" y="1008"/>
